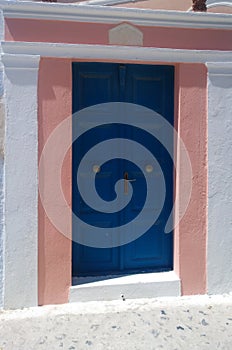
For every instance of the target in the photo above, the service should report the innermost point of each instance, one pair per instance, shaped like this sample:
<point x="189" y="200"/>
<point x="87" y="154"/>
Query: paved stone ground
<point x="143" y="324"/>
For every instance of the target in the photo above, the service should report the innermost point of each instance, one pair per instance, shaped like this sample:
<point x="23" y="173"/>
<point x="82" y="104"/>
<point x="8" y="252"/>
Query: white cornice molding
<point x="109" y="52"/>
<point x="220" y="68"/>
<point x="107" y="2"/>
<point x="210" y="3"/>
<point x="23" y="61"/>
<point x="109" y="14"/>
<point x="215" y="3"/>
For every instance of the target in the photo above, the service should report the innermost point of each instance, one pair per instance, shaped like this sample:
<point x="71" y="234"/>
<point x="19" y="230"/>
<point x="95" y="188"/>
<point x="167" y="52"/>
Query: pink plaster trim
<point x="177" y="5"/>
<point x="55" y="103"/>
<point x="55" y="31"/>
<point x="82" y="33"/>
<point x="176" y="251"/>
<point x="191" y="235"/>
<point x="220" y="9"/>
<point x="55" y="96"/>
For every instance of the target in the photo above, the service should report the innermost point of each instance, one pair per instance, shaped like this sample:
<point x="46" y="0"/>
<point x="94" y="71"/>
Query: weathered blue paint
<point x="150" y="86"/>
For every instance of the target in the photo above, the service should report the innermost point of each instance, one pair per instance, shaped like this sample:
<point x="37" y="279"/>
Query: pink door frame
<point x="190" y="236"/>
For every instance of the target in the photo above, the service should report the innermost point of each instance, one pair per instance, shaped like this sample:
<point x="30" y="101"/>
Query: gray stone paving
<point x="143" y="324"/>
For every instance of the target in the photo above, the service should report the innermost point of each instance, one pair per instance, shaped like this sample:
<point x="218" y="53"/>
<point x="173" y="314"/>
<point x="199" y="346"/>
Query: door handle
<point x="126" y="180"/>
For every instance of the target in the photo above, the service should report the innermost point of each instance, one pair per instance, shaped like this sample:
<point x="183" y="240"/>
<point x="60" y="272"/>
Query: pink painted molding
<point x="82" y="33"/>
<point x="191" y="234"/>
<point x="177" y="5"/>
<point x="54" y="99"/>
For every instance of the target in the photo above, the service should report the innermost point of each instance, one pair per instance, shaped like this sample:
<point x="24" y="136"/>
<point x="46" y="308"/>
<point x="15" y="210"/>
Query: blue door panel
<point x="152" y="87"/>
<point x="93" y="84"/>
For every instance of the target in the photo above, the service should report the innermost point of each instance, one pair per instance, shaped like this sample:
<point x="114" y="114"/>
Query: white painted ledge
<point x="110" y="14"/>
<point x="220" y="68"/>
<point x="148" y="285"/>
<point x="92" y="52"/>
<point x="107" y="2"/>
<point x="215" y="3"/>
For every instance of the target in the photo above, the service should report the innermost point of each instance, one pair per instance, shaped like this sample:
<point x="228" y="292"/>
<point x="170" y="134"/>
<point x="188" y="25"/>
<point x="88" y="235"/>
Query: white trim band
<point x="210" y="3"/>
<point x="219" y="68"/>
<point x="213" y="3"/>
<point x="107" y="2"/>
<point x="21" y="61"/>
<point x="130" y="53"/>
<point x="110" y="14"/>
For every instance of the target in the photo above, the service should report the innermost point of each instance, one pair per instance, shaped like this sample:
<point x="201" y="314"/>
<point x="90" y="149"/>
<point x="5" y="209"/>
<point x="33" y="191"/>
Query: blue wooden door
<point x="150" y="86"/>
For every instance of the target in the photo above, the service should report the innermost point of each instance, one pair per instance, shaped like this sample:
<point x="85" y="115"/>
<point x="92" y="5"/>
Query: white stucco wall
<point x="1" y="25"/>
<point x="20" y="181"/>
<point x="220" y="178"/>
<point x="2" y="131"/>
<point x="1" y="230"/>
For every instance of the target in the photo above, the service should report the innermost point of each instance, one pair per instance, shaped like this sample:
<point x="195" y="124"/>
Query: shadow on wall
<point x="221" y="82"/>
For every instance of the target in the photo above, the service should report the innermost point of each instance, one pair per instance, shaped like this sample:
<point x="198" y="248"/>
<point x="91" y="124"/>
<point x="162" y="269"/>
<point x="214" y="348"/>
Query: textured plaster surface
<point x="55" y="104"/>
<point x="2" y="26"/>
<point x="82" y="33"/>
<point x="2" y="132"/>
<point x="220" y="9"/>
<point x="192" y="230"/>
<point x="21" y="139"/>
<point x="1" y="231"/>
<point x="147" y="324"/>
<point x="125" y="34"/>
<point x="2" y="126"/>
<point x="177" y="5"/>
<point x="220" y="178"/>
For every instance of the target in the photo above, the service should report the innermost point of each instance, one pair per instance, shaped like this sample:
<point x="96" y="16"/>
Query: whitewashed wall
<point x="2" y="131"/>
<point x="21" y="181"/>
<point x="220" y="178"/>
<point x="1" y="190"/>
<point x="1" y="230"/>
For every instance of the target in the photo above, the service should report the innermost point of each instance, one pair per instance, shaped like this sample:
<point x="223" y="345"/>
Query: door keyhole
<point x="126" y="180"/>
<point x="126" y="183"/>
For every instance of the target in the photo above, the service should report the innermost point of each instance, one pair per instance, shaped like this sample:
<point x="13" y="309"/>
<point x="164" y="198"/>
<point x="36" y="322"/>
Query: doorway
<point x="151" y="86"/>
